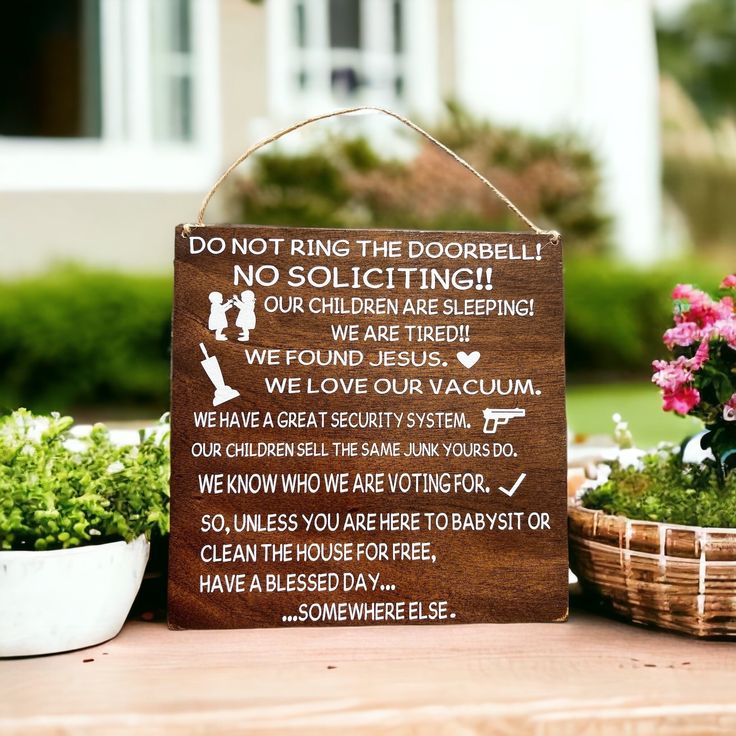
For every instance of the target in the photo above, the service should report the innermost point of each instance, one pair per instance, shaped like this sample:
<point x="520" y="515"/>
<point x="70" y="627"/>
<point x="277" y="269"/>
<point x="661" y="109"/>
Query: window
<point x="345" y="52"/>
<point x="50" y="66"/>
<point x="173" y="70"/>
<point x="120" y="90"/>
<point x="346" y="70"/>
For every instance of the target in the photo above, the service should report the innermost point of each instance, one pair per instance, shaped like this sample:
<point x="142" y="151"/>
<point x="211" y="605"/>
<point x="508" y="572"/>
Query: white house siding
<point x="583" y="65"/>
<point x="588" y="65"/>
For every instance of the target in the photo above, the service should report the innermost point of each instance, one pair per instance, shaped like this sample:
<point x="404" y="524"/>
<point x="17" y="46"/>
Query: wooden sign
<point x="368" y="427"/>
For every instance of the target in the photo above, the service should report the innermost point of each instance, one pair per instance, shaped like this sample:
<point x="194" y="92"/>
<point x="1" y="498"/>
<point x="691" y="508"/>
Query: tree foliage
<point x="699" y="50"/>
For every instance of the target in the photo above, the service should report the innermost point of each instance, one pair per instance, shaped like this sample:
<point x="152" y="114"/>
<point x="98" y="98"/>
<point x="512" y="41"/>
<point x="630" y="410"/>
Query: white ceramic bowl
<point x="66" y="599"/>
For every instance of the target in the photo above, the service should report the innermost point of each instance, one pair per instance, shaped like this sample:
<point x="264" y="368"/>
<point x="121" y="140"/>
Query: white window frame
<point x="419" y="61"/>
<point x="126" y="156"/>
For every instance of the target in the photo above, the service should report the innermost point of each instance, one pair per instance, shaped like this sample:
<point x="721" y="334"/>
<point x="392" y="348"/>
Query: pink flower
<point x="683" y="291"/>
<point x="675" y="380"/>
<point x="701" y="327"/>
<point x="682" y="334"/>
<point x="724" y="329"/>
<point x="701" y="356"/>
<point x="729" y="409"/>
<point x="727" y="330"/>
<point x="682" y="400"/>
<point x="673" y="375"/>
<point x="726" y="307"/>
<point x="698" y="307"/>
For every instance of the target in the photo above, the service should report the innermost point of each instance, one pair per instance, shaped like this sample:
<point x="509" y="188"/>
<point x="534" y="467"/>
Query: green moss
<point x="665" y="489"/>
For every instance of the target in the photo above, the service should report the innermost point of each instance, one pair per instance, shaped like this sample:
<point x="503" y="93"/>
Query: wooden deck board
<point x="590" y="675"/>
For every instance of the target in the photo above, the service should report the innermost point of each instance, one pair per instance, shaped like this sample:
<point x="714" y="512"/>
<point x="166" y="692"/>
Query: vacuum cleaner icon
<point x="211" y="367"/>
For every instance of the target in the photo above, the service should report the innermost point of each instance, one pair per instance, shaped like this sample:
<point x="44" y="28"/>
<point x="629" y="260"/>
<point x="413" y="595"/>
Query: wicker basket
<point x="681" y="578"/>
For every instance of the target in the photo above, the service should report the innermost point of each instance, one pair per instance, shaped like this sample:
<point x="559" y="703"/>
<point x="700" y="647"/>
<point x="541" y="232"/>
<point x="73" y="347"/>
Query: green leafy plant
<point x="60" y="490"/>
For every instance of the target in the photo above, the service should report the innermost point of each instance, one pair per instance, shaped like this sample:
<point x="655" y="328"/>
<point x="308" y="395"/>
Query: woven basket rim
<point x="602" y="546"/>
<point x="577" y="505"/>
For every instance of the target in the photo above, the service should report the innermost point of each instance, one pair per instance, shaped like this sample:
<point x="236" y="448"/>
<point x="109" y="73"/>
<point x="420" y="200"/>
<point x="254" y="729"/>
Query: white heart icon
<point x="468" y="359"/>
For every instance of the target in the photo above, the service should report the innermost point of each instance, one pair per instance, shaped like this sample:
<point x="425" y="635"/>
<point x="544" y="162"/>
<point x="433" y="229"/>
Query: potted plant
<point x="653" y="537"/>
<point x="77" y="511"/>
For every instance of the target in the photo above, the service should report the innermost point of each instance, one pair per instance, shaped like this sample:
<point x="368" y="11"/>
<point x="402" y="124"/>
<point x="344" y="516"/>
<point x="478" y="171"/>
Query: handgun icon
<point x="499" y="416"/>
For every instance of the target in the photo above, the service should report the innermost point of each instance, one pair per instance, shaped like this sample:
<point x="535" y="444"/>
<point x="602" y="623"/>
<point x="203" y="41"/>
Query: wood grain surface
<point x="592" y="676"/>
<point x="483" y="576"/>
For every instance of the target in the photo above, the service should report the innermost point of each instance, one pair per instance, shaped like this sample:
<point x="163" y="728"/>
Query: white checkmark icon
<point x="514" y="488"/>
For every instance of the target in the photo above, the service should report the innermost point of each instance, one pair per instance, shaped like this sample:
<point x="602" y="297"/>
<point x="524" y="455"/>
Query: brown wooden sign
<point x="368" y="427"/>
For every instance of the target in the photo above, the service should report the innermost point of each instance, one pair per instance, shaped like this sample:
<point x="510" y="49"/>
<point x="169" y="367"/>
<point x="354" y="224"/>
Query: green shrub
<point x="78" y="337"/>
<point x="615" y="313"/>
<point x="349" y="184"/>
<point x="59" y="491"/>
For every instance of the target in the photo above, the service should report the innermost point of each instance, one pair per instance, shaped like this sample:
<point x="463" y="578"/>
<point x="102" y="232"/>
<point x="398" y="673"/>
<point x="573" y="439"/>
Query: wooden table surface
<point x="591" y="675"/>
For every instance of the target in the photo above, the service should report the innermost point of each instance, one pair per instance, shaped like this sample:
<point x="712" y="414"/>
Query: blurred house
<point x="669" y="9"/>
<point x="119" y="114"/>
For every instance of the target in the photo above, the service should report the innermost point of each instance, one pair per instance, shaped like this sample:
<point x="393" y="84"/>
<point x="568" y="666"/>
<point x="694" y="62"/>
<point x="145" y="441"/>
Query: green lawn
<point x="589" y="410"/>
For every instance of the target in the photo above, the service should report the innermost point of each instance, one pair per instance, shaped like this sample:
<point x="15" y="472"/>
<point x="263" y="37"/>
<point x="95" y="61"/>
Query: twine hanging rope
<point x="553" y="235"/>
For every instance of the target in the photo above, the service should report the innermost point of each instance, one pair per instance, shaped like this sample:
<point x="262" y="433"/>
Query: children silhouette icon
<point x="218" y="314"/>
<point x="246" y="318"/>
